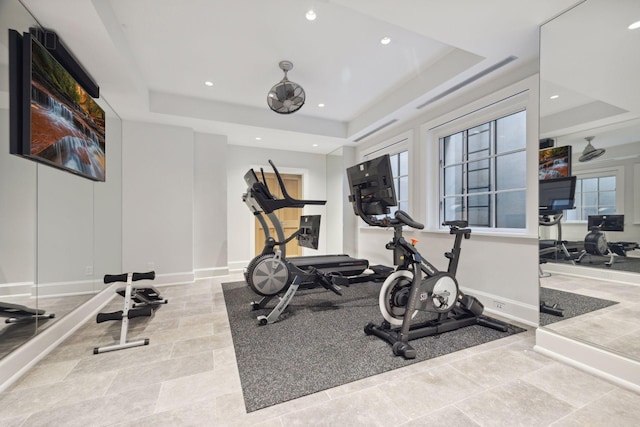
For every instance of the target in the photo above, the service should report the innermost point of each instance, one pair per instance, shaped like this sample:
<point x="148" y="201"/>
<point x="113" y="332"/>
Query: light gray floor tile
<point x="446" y="417"/>
<point x="370" y="407"/>
<point x="101" y="411"/>
<point x="424" y="392"/>
<point x="514" y="404"/>
<point x="619" y="408"/>
<point x="569" y="384"/>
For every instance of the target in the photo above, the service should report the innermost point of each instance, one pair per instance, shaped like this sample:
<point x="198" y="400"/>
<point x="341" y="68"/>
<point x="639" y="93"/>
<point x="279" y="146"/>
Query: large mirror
<point x="589" y="86"/>
<point x="59" y="233"/>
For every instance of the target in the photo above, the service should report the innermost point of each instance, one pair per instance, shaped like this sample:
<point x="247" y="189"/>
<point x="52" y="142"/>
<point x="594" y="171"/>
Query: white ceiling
<point x="152" y="57"/>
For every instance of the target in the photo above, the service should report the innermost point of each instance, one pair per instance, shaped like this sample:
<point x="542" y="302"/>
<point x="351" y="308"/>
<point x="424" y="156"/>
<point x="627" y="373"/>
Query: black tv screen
<point x="606" y="222"/>
<point x="557" y="194"/>
<point x="373" y="180"/>
<point x="53" y="119"/>
<point x="309" y="235"/>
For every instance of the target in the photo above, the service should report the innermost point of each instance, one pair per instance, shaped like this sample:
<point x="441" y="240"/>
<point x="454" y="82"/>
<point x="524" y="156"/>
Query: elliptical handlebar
<point x="259" y="191"/>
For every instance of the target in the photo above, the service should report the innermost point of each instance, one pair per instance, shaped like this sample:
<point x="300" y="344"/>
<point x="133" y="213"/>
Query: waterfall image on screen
<point x="67" y="125"/>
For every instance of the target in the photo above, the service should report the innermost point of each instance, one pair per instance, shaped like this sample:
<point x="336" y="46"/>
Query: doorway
<point x="288" y="217"/>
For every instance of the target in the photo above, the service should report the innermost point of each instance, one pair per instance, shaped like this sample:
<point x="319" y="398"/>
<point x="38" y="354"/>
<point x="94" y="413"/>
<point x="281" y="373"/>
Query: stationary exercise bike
<point x="416" y="285"/>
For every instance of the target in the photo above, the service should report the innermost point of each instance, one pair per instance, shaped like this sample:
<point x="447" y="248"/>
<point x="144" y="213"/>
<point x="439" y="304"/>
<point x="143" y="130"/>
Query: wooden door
<point x="288" y="217"/>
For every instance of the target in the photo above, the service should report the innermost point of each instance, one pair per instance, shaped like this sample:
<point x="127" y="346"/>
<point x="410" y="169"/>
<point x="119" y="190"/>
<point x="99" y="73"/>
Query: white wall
<point x="157" y="200"/>
<point x="340" y="220"/>
<point x="209" y="205"/>
<point x="18" y="216"/>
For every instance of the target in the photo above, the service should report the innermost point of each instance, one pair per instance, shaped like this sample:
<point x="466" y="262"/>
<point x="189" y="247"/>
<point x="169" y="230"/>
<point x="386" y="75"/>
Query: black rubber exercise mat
<point x="320" y="343"/>
<point x="572" y="305"/>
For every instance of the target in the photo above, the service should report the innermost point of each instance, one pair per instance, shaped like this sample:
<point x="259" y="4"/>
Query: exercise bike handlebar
<point x="545" y="220"/>
<point x="405" y="219"/>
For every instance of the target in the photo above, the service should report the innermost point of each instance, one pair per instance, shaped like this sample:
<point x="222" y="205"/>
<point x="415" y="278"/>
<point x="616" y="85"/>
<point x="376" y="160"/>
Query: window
<point x="400" y="169"/>
<point x="482" y="173"/>
<point x="594" y="196"/>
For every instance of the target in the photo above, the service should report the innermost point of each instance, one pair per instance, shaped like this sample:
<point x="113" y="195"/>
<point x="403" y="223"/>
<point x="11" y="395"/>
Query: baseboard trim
<point x="613" y="367"/>
<point x="510" y="309"/>
<point x="17" y="289"/>
<point x="592" y="273"/>
<point x="210" y="273"/>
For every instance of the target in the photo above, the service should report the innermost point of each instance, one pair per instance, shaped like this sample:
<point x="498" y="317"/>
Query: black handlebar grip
<point x="110" y="278"/>
<point x="105" y="317"/>
<point x="144" y="276"/>
<point x="406" y="219"/>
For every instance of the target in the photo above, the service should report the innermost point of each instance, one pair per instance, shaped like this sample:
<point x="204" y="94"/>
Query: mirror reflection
<point x="60" y="233"/>
<point x="590" y="130"/>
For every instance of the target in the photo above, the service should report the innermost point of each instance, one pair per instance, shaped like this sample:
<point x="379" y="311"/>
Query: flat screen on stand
<point x="373" y="180"/>
<point x="556" y="195"/>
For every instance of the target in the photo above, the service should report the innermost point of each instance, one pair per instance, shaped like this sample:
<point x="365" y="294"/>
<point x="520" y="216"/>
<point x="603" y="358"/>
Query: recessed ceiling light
<point x="311" y="15"/>
<point x="554" y="97"/>
<point x="258" y="138"/>
<point x="314" y="145"/>
<point x="385" y="40"/>
<point x="208" y="83"/>
<point x="634" y="26"/>
<point x="321" y="105"/>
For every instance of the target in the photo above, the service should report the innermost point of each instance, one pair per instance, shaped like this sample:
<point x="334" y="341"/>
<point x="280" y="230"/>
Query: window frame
<point x="617" y="172"/>
<point x="488" y="114"/>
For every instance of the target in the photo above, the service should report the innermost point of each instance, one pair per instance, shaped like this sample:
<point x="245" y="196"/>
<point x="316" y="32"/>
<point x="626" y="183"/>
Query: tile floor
<point x="187" y="376"/>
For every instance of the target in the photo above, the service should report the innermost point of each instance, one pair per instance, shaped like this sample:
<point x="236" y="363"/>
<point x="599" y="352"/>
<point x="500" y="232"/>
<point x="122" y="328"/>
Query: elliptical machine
<point x="416" y="285"/>
<point x="271" y="274"/>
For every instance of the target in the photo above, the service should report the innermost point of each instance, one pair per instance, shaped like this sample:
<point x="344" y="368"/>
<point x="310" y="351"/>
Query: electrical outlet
<point x="499" y="305"/>
<point x="151" y="265"/>
<point x="88" y="270"/>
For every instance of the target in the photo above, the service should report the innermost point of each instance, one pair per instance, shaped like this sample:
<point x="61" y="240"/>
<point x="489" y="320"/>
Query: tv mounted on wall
<point x="554" y="163"/>
<point x="53" y="119"/>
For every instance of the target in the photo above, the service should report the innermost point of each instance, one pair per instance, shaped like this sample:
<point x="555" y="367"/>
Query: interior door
<point x="288" y="217"/>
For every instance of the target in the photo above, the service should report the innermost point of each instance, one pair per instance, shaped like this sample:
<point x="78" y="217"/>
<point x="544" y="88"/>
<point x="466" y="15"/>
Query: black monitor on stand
<point x="556" y="195"/>
<point x="372" y="189"/>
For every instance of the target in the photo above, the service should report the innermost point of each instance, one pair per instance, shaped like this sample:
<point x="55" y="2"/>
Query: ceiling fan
<point x="590" y="152"/>
<point x="286" y="97"/>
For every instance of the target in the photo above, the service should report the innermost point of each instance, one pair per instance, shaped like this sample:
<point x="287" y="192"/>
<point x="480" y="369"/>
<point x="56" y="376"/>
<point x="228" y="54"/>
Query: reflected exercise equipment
<point x="595" y="242"/>
<point x="555" y="196"/>
<point x="16" y="313"/>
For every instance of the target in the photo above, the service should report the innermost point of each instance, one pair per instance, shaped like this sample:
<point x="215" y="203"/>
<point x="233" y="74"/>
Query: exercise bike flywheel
<point x="437" y="294"/>
<point x="268" y="275"/>
<point x="394" y="295"/>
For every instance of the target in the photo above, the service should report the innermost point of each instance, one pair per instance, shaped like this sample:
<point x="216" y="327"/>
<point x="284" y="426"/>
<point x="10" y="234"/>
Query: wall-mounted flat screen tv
<point x="554" y="163"/>
<point x="53" y="119"/>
